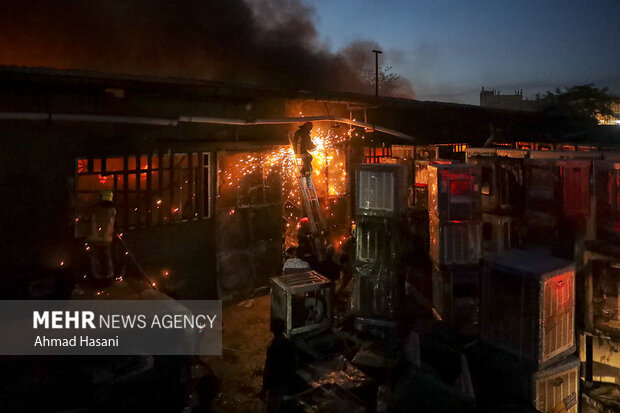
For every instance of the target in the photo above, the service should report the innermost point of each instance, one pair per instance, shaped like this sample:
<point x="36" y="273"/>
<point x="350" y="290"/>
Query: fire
<point x="328" y="165"/>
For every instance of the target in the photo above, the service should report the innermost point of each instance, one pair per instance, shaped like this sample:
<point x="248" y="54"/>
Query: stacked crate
<point x="601" y="270"/>
<point x="421" y="181"/>
<point x="508" y="381"/>
<point x="455" y="229"/>
<point x="607" y="193"/>
<point x="408" y="164"/>
<point x="503" y="200"/>
<point x="528" y="310"/>
<point x="557" y="204"/>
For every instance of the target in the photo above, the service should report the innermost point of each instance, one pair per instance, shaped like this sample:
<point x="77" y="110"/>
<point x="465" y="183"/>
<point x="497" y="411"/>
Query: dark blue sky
<point x="449" y="49"/>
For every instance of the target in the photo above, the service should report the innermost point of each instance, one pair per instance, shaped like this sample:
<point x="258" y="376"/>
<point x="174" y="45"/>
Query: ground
<point x="245" y="339"/>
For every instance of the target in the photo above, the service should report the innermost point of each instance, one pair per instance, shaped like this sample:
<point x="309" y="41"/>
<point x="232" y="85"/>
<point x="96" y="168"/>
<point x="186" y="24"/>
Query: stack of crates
<point x="455" y="229"/>
<point x="502" y="194"/>
<point x="380" y="207"/>
<point x="528" y="310"/>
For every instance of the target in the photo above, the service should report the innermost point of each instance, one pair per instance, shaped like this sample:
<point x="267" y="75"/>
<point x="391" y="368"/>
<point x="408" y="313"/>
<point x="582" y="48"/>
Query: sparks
<point x="328" y="165"/>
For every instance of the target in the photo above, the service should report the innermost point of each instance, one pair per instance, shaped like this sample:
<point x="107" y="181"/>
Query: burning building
<point x="202" y="171"/>
<point x="207" y="192"/>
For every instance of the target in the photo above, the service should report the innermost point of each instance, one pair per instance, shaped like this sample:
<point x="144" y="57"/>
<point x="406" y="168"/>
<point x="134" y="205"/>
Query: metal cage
<point x="303" y="301"/>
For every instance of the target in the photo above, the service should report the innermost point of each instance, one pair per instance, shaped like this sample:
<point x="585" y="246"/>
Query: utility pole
<point x="376" y="52"/>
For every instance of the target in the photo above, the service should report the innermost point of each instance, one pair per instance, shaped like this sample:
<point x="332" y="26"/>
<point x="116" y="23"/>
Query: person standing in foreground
<point x="101" y="235"/>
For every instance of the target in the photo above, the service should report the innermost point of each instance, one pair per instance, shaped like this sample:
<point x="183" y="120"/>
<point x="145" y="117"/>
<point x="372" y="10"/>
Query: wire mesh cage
<point x="303" y="301"/>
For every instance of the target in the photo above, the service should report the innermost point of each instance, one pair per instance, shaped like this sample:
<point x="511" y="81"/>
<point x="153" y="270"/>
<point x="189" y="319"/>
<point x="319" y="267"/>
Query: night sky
<point x="449" y="49"/>
<point x="444" y="50"/>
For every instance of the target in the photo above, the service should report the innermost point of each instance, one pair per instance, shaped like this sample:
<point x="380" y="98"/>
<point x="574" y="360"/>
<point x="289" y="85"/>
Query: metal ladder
<point x="312" y="207"/>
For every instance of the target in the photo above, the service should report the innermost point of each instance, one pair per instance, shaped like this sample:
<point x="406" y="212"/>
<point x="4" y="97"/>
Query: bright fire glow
<point x="328" y="165"/>
<point x="328" y="170"/>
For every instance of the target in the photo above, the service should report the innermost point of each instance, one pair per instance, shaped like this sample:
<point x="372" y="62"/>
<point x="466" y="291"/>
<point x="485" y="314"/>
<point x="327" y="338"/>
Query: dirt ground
<point x="240" y="368"/>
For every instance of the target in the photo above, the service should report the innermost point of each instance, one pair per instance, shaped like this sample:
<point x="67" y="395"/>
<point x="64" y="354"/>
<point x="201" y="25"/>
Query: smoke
<point x="268" y="43"/>
<point x="358" y="55"/>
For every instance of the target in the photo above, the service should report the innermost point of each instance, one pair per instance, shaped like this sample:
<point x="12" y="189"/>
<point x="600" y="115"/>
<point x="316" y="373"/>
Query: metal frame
<point x="293" y="284"/>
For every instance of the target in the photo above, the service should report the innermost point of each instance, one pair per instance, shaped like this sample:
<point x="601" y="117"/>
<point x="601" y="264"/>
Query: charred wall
<point x="249" y="227"/>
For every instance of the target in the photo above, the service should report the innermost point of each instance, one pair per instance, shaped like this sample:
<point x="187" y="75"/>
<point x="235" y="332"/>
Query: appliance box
<point x="558" y="187"/>
<point x="403" y="151"/>
<point x="607" y="193"/>
<point x="382" y="190"/>
<point x="454" y="192"/>
<point x="501" y="184"/>
<point x="500" y="233"/>
<point x="556" y="388"/>
<point x="455" y="242"/>
<point x="303" y="301"/>
<point x="455" y="292"/>
<point x="528" y="305"/>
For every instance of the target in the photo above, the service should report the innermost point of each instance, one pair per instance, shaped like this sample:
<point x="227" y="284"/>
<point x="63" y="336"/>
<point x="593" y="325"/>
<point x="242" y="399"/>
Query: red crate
<point x="558" y="187"/>
<point x="454" y="192"/>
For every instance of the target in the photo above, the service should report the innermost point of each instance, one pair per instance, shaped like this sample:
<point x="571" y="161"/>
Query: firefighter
<point x="304" y="240"/>
<point x="302" y="145"/>
<point x="328" y="267"/>
<point x="101" y="235"/>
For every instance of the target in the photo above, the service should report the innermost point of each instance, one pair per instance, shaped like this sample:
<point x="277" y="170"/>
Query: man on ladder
<point x="302" y="145"/>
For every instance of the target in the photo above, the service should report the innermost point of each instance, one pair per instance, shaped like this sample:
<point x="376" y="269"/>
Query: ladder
<point x="312" y="208"/>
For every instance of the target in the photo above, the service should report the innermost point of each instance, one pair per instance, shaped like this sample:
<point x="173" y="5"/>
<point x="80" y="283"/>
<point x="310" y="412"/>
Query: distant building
<point x="611" y="120"/>
<point x="493" y="99"/>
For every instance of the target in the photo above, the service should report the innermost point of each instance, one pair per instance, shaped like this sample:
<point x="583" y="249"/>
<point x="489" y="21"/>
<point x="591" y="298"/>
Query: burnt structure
<point x="164" y="145"/>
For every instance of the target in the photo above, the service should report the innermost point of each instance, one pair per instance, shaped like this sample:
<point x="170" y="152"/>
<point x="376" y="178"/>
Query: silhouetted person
<point x="207" y="389"/>
<point x="101" y="236"/>
<point x="328" y="267"/>
<point x="280" y="367"/>
<point x="347" y="259"/>
<point x="302" y="145"/>
<point x="304" y="240"/>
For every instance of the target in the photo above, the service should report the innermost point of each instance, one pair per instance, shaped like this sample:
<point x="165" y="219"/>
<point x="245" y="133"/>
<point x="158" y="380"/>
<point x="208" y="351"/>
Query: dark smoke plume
<point x="357" y="55"/>
<point x="268" y="43"/>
